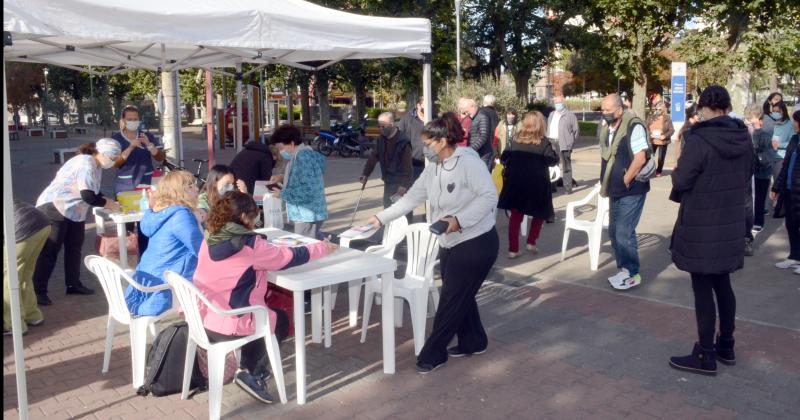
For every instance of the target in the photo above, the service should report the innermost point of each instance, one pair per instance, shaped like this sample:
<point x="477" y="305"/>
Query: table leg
<point x="123" y="250"/>
<point x="316" y="315"/>
<point x="300" y="344"/>
<point x="326" y="314"/>
<point x="387" y="321"/>
<point x="353" y="292"/>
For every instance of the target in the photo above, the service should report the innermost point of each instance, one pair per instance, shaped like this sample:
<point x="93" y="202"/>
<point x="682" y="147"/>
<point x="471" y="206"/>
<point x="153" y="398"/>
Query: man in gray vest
<point x="562" y="128"/>
<point x="623" y="151"/>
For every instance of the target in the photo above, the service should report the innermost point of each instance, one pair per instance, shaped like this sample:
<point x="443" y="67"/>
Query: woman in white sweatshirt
<point x="460" y="191"/>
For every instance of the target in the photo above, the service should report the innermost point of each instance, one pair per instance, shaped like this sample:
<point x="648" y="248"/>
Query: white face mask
<point x="108" y="163"/>
<point x="132" y="125"/>
<point x="225" y="188"/>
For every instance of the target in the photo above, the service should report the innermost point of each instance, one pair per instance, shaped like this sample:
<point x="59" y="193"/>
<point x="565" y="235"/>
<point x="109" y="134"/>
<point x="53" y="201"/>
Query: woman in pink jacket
<point x="232" y="273"/>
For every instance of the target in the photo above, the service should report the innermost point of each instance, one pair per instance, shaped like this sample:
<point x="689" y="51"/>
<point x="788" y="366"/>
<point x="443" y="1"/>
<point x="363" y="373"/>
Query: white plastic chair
<point x="414" y="287"/>
<point x="188" y="295"/>
<point x="593" y="228"/>
<point x="109" y="275"/>
<point x="555" y="175"/>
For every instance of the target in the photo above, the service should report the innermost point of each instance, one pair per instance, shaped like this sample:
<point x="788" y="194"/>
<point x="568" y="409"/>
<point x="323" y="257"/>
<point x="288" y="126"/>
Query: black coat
<point x="780" y="184"/>
<point x="253" y="163"/>
<point x="526" y="179"/>
<point x="711" y="182"/>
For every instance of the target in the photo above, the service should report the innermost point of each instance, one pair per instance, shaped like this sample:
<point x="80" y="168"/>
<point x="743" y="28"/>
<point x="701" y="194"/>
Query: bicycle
<point x="168" y="166"/>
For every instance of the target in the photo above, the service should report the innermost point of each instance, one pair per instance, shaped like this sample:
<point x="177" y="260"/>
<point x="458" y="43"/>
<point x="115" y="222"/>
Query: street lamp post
<point x="458" y="44"/>
<point x="44" y="100"/>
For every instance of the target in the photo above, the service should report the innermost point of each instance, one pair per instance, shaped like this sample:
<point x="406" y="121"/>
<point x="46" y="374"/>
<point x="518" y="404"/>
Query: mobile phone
<point x="275" y="186"/>
<point x="439" y="227"/>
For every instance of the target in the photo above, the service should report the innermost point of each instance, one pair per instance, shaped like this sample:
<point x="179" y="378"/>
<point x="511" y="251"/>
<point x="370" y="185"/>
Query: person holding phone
<point x="462" y="194"/>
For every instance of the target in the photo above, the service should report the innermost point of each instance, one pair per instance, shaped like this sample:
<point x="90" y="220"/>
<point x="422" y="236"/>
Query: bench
<point x="81" y="130"/>
<point x="58" y="134"/>
<point x="13" y="135"/>
<point x="36" y="132"/>
<point x="372" y="132"/>
<point x="63" y="154"/>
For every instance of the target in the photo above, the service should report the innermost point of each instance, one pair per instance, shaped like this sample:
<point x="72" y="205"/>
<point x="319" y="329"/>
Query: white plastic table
<point x="102" y="214"/>
<point x="340" y="267"/>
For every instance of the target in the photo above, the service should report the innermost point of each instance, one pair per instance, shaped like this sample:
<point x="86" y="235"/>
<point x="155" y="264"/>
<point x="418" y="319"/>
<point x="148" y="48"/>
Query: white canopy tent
<point x="177" y="34"/>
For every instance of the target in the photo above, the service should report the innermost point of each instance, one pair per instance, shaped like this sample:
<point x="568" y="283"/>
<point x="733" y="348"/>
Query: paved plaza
<point x="563" y="344"/>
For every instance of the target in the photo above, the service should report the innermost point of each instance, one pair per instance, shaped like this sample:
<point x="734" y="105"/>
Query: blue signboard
<point x="678" y="111"/>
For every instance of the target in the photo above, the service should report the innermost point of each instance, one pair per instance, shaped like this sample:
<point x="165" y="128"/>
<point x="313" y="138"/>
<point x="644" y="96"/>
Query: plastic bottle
<point x="144" y="202"/>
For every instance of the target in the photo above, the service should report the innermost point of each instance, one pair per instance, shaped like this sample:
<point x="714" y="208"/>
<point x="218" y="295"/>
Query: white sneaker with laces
<point x="787" y="264"/>
<point x="618" y="278"/>
<point x="629" y="282"/>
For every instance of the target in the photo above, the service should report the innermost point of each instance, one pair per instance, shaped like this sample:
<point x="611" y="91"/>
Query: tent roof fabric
<point x="177" y="34"/>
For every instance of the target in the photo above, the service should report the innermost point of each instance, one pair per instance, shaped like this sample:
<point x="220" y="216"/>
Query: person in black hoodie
<point x="788" y="186"/>
<point x="709" y="183"/>
<point x="253" y="163"/>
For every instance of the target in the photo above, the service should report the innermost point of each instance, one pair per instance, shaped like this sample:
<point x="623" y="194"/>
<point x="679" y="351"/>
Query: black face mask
<point x="609" y="118"/>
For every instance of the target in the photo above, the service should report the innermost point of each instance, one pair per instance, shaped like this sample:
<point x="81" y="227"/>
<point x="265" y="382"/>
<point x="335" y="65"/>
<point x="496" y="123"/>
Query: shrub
<point x="587" y="128"/>
<point x="503" y="91"/>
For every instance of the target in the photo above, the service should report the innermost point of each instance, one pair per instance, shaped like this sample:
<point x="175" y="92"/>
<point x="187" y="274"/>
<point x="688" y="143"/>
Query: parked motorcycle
<point x="326" y="141"/>
<point x="355" y="140"/>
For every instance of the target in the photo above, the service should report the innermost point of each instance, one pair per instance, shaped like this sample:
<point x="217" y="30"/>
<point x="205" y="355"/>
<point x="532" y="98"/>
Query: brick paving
<point x="562" y="343"/>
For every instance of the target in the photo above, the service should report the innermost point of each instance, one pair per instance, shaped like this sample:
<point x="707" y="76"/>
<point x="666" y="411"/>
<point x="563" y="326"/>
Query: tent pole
<point x="427" y="59"/>
<point x="13" y="275"/>
<point x="171" y="118"/>
<point x="239" y="139"/>
<point x="210" y="117"/>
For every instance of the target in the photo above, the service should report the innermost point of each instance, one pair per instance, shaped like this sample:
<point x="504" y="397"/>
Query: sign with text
<point x="678" y="90"/>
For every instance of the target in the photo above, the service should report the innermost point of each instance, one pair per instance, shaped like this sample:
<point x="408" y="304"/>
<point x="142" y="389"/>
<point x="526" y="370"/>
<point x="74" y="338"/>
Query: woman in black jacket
<point x="526" y="181"/>
<point x="710" y="182"/>
<point x="788" y="186"/>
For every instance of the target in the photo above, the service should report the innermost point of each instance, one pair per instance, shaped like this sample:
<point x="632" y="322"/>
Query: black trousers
<point x="748" y="212"/>
<point x="661" y="155"/>
<point x="566" y="171"/>
<point x="464" y="267"/>
<point x="705" y="287"/>
<point x="63" y="232"/>
<point x="759" y="205"/>
<point x="792" y="226"/>
<point x="254" y="357"/>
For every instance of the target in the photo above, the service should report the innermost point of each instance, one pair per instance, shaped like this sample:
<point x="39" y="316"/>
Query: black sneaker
<point x="43" y="300"/>
<point x="426" y="368"/>
<point x="254" y="386"/>
<point x="455" y="351"/>
<point x="79" y="289"/>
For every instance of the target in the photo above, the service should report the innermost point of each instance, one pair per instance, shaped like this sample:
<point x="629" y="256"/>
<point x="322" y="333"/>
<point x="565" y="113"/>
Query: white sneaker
<point x="618" y="278"/>
<point x="797" y="271"/>
<point x="629" y="282"/>
<point x="788" y="264"/>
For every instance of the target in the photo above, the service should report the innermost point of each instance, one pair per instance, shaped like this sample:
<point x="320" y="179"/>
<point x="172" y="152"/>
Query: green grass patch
<point x="587" y="128"/>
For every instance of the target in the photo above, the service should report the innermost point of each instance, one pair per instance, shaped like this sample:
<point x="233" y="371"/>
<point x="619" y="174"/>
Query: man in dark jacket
<point x="480" y="132"/>
<point x="411" y="125"/>
<point x="710" y="183"/>
<point x="393" y="152"/>
<point x="253" y="163"/>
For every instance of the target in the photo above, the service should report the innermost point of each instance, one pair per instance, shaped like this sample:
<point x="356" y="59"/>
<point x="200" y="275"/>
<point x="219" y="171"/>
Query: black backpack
<point x="164" y="365"/>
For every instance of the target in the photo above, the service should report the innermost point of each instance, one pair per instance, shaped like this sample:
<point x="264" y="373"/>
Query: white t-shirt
<point x="552" y="130"/>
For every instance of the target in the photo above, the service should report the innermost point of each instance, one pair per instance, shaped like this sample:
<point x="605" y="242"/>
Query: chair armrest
<point x="138" y="286"/>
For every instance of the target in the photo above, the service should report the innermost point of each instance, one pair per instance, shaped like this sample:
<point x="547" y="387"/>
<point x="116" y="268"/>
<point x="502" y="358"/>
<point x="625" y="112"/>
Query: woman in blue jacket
<point x="175" y="239"/>
<point x="304" y="186"/>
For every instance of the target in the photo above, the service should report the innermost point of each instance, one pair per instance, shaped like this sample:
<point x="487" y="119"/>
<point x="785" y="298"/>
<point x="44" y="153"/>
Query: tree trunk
<point x="79" y="106"/>
<point x="640" y="94"/>
<point x="738" y="87"/>
<point x="189" y="112"/>
<point x="360" y="88"/>
<point x="773" y="83"/>
<point x="521" y="79"/>
<point x="305" y="109"/>
<point x="321" y="85"/>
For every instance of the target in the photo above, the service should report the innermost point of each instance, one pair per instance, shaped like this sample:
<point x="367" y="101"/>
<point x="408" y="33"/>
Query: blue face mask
<point x="559" y="107"/>
<point x="286" y="154"/>
<point x="776" y="115"/>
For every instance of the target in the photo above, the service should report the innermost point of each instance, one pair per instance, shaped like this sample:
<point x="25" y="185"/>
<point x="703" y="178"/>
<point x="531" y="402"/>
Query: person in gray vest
<point x="623" y="151"/>
<point x="562" y="128"/>
<point x="393" y="152"/>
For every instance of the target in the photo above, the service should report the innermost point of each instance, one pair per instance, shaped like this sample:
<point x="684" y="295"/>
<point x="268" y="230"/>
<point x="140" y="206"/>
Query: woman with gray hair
<point x="67" y="199"/>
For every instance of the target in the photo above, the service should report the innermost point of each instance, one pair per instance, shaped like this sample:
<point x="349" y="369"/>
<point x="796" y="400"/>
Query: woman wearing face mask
<point x="505" y="132"/>
<point x="304" y="185"/>
<point x="220" y="180"/>
<point x="782" y="131"/>
<point x="135" y="163"/>
<point x="65" y="202"/>
<point x="175" y="239"/>
<point x="460" y="191"/>
<point x="773" y="99"/>
<point x="661" y="130"/>
<point x="710" y="183"/>
<point x="787" y="184"/>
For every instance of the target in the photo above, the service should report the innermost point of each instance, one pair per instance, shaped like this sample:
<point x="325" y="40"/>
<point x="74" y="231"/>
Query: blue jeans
<point x="625" y="214"/>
